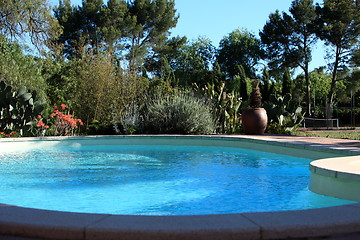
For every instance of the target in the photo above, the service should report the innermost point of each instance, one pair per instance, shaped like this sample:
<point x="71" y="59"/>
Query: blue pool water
<point x="157" y="180"/>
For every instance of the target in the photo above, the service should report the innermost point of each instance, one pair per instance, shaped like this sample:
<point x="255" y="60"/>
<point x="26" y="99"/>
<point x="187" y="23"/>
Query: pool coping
<point x="312" y="223"/>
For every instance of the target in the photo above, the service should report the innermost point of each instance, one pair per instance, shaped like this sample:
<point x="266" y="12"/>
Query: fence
<point x="320" y="123"/>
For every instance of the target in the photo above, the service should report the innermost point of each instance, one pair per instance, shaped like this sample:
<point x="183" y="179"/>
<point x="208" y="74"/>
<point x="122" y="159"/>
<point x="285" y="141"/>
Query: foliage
<point x="352" y="83"/>
<point x="193" y="63"/>
<point x="41" y="126"/>
<point x="159" y="87"/>
<point x="117" y="58"/>
<point x="266" y="86"/>
<point x="83" y="25"/>
<point x="62" y="79"/>
<point x="153" y="19"/>
<point x="162" y="61"/>
<point x="338" y="25"/>
<point x="32" y="18"/>
<point x="60" y="123"/>
<point x="275" y="36"/>
<point x="129" y="29"/>
<point x="3" y="134"/>
<point x="226" y="107"/>
<point x="287" y="83"/>
<point x="355" y="57"/>
<point x="104" y="91"/>
<point x="255" y="98"/>
<point x="284" y="115"/>
<point x="18" y="69"/>
<point x="240" y="47"/>
<point x="289" y="39"/>
<point x="347" y="116"/>
<point x="241" y="84"/>
<point x="178" y="114"/>
<point x="277" y="128"/>
<point x="320" y="84"/>
<point x="18" y="109"/>
<point x="64" y="123"/>
<point x="98" y="128"/>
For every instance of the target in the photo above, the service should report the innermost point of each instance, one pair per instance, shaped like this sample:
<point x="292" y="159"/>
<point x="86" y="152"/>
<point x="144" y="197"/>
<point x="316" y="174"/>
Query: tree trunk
<point x="308" y="96"/>
<point x="329" y="105"/>
<point x="307" y="77"/>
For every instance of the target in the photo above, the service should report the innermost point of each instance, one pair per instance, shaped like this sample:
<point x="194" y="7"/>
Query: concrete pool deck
<point x="340" y="222"/>
<point x="346" y="144"/>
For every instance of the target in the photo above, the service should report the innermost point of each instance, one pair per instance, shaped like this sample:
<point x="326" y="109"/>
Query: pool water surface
<point x="157" y="180"/>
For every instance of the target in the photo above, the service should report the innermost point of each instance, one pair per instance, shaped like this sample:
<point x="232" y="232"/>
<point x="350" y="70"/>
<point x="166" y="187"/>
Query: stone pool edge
<point x="322" y="222"/>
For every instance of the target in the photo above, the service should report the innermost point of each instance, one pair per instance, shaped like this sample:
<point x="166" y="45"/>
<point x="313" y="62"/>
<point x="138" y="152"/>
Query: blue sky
<point x="215" y="19"/>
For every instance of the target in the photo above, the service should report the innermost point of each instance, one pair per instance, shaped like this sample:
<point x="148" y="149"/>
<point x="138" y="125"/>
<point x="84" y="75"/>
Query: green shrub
<point x="178" y="114"/>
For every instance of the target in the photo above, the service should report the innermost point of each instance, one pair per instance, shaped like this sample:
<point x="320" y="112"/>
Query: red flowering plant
<point x="7" y="134"/>
<point x="41" y="126"/>
<point x="64" y="123"/>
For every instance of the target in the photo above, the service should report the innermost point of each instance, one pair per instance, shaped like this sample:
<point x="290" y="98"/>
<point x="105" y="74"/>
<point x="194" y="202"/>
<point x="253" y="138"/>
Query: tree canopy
<point x="130" y="29"/>
<point x="240" y="47"/>
<point x="32" y="18"/>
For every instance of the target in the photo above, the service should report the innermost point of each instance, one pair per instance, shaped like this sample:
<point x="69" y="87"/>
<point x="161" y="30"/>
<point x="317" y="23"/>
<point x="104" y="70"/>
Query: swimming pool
<point x="157" y="176"/>
<point x="316" y="223"/>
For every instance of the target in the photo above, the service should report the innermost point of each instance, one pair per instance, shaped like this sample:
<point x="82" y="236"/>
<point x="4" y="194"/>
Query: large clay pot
<point x="254" y="121"/>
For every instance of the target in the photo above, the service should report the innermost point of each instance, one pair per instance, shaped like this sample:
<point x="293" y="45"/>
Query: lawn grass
<point x="341" y="134"/>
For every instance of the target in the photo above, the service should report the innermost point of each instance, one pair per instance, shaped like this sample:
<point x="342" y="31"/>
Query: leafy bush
<point x="178" y="114"/>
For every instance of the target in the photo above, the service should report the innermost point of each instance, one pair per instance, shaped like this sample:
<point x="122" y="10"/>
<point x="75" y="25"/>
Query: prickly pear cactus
<point x="18" y="109"/>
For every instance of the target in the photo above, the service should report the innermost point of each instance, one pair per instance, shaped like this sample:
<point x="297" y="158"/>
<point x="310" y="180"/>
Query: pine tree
<point x="289" y="39"/>
<point x="338" y="25"/>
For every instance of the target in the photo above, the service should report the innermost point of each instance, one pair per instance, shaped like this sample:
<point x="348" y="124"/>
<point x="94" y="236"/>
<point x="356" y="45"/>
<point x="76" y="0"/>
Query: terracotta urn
<point x="254" y="121"/>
